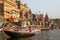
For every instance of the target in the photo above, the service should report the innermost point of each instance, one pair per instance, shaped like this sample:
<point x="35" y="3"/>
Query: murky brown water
<point x="45" y="35"/>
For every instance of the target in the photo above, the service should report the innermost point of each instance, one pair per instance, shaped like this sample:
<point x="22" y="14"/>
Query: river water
<point x="43" y="35"/>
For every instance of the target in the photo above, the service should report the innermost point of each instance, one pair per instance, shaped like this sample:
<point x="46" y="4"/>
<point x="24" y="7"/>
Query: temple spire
<point x="46" y="17"/>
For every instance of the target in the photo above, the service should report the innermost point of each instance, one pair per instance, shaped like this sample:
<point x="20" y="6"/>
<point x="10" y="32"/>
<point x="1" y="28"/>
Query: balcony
<point x="11" y="3"/>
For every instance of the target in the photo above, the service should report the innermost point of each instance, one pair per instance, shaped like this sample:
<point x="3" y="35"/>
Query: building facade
<point x="9" y="8"/>
<point x="17" y="9"/>
<point x="1" y="8"/>
<point x="25" y="13"/>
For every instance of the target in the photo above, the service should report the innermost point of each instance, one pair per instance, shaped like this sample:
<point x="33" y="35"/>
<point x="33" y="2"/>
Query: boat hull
<point x="45" y="29"/>
<point x="18" y="34"/>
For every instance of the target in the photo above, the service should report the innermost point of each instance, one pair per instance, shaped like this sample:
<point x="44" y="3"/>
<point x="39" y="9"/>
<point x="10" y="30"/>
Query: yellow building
<point x="10" y="8"/>
<point x="16" y="9"/>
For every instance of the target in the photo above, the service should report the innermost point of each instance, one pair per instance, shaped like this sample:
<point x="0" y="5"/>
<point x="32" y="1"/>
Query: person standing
<point x="11" y="19"/>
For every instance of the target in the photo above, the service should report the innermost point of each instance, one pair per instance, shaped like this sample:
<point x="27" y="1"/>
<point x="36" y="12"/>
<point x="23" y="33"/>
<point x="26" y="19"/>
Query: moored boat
<point x="13" y="33"/>
<point x="44" y="29"/>
<point x="18" y="33"/>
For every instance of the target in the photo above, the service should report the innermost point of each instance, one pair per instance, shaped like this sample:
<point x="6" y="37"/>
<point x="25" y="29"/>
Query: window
<point x="26" y="14"/>
<point x="21" y="14"/>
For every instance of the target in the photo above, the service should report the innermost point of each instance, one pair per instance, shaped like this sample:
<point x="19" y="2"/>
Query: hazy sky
<point x="51" y="7"/>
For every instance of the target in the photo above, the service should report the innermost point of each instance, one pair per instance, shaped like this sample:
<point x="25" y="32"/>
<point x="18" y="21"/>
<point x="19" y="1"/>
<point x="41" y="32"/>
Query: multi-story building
<point x="16" y="9"/>
<point x="8" y="8"/>
<point x="25" y="13"/>
<point x="23" y="9"/>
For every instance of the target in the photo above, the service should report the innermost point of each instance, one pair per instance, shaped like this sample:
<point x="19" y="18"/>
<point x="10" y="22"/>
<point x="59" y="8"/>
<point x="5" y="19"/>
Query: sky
<point x="51" y="7"/>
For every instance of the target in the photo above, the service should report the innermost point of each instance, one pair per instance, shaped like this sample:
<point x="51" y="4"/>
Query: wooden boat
<point x="45" y="29"/>
<point x="19" y="33"/>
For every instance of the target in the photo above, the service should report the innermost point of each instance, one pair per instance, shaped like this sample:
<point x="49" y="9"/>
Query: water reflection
<point x="12" y="38"/>
<point x="45" y="35"/>
<point x="19" y="39"/>
<point x="1" y="36"/>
